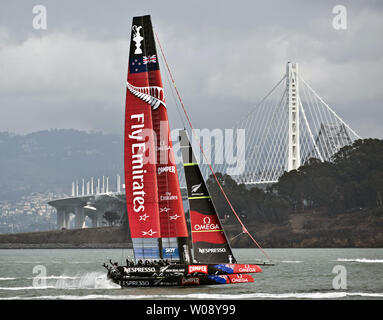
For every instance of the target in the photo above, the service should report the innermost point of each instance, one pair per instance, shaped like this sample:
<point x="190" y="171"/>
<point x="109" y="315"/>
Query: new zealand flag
<point x="137" y="65"/>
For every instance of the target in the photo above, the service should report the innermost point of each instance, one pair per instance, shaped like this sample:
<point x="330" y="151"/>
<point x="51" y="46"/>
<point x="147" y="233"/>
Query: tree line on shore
<point x="352" y="180"/>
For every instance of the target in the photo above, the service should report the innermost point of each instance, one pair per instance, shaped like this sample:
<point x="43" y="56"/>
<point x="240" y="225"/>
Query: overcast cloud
<point x="225" y="56"/>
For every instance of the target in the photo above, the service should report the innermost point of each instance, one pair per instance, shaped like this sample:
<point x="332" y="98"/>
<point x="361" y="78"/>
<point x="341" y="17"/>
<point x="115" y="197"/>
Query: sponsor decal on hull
<point x="136" y="283"/>
<point x="139" y="269"/>
<point x="190" y="281"/>
<point x="246" y="268"/>
<point x="167" y="269"/>
<point x="240" y="278"/>
<point x="197" y="268"/>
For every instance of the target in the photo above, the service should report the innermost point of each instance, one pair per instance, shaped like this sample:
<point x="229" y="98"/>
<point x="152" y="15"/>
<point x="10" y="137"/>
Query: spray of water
<point x="90" y="280"/>
<point x="362" y="260"/>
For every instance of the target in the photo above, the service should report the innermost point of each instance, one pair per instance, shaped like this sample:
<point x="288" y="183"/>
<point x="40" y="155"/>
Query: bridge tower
<point x="292" y="90"/>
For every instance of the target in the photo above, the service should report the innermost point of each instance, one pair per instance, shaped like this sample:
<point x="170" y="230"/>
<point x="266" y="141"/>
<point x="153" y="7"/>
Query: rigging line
<point x="267" y="137"/>
<point x="211" y="169"/>
<point x="264" y="134"/>
<point x="174" y="98"/>
<point x="332" y="111"/>
<point x="314" y="124"/>
<point x="326" y="126"/>
<point x="260" y="102"/>
<point x="257" y="109"/>
<point x="230" y="240"/>
<point x="307" y="125"/>
<point x="318" y="125"/>
<point x="264" y="112"/>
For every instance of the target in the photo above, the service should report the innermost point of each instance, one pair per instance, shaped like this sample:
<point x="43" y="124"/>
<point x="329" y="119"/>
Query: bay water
<point x="77" y="274"/>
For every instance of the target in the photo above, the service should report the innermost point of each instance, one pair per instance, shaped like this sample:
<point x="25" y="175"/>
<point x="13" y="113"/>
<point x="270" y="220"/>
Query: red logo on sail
<point x="207" y="224"/>
<point x="206" y="228"/>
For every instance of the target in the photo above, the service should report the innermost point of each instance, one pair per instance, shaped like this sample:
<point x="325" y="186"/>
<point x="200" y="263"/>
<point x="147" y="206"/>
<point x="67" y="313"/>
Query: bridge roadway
<point x="92" y="206"/>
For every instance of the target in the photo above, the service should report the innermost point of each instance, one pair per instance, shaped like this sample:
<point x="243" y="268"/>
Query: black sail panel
<point x="210" y="244"/>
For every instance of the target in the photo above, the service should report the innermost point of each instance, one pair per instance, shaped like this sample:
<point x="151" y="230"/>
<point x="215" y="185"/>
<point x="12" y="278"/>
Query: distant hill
<point x="50" y="160"/>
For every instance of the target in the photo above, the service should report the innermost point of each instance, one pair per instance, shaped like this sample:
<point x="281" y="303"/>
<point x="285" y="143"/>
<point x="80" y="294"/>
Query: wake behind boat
<point x="164" y="254"/>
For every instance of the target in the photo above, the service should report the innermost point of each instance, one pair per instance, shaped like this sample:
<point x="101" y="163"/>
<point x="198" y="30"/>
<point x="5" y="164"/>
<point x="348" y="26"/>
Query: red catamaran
<point x="163" y="253"/>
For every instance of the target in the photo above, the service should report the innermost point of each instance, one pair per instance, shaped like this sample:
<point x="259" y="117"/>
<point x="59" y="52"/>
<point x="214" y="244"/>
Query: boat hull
<point x="182" y="281"/>
<point x="188" y="270"/>
<point x="182" y="275"/>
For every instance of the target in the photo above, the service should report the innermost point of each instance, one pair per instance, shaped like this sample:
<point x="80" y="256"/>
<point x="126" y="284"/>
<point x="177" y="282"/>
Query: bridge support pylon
<point x="292" y="89"/>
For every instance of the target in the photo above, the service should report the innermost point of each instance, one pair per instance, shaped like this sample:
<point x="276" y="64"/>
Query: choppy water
<point x="298" y="274"/>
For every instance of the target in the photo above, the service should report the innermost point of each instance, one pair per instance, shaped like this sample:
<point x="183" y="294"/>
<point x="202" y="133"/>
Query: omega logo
<point x="207" y="225"/>
<point x="206" y="220"/>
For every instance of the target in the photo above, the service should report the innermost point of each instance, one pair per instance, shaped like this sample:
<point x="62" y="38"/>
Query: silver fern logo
<point x="153" y="95"/>
<point x="195" y="188"/>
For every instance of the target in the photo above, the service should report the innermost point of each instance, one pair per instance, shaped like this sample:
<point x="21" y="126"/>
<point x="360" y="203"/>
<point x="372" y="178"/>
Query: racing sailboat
<point x="164" y="254"/>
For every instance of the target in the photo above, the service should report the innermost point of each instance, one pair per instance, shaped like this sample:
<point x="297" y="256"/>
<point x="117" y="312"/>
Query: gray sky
<point x="225" y="56"/>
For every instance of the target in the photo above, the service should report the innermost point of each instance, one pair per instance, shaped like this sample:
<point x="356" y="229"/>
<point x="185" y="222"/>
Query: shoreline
<point x="11" y="246"/>
<point x="301" y="230"/>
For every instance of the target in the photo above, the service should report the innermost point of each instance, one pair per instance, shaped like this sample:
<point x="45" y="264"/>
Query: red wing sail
<point x="172" y="217"/>
<point x="140" y="166"/>
<point x="160" y="210"/>
<point x="209" y="240"/>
